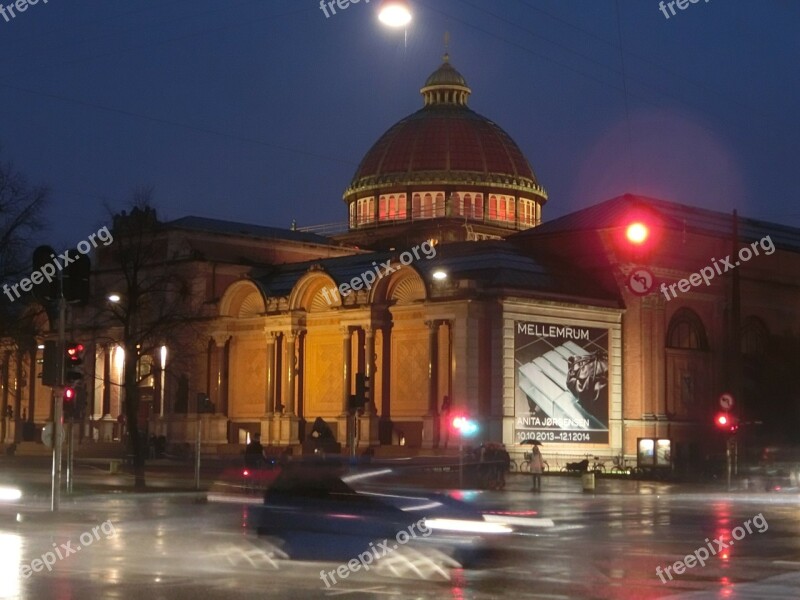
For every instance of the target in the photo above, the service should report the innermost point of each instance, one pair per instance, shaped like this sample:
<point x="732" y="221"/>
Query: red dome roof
<point x="444" y="142"/>
<point x="445" y="138"/>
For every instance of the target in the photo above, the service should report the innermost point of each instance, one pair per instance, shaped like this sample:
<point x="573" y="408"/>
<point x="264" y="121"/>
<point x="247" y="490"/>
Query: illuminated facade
<point x="467" y="302"/>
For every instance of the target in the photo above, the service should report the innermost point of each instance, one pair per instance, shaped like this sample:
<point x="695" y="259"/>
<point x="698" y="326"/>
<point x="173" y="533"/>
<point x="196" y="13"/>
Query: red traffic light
<point x="75" y="352"/>
<point x="637" y="233"/>
<point x="69" y="393"/>
<point x="465" y="425"/>
<point x="727" y="422"/>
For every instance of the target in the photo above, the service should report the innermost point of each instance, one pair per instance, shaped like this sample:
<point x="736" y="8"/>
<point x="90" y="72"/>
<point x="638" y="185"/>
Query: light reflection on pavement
<point x="601" y="546"/>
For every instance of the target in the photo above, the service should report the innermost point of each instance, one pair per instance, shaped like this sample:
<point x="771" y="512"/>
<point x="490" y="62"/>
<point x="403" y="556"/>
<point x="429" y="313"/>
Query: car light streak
<point x="523" y="521"/>
<point x="464" y="526"/>
<point x="9" y="494"/>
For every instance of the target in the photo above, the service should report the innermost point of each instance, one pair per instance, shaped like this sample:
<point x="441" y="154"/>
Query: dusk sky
<point x="260" y="110"/>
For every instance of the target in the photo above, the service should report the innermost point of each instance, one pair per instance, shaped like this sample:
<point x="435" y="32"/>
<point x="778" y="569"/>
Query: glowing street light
<point x="114" y="298"/>
<point x="440" y="275"/>
<point x="395" y="13"/>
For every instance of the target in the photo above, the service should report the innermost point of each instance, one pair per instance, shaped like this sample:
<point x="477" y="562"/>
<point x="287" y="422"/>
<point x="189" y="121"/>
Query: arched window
<point x="427" y="206"/>
<point x="478" y="206"/>
<point x="352" y="214"/>
<point x="401" y="206"/>
<point x="511" y="210"/>
<point x="755" y="337"/>
<point x="469" y="209"/>
<point x="384" y="213"/>
<point x="416" y="206"/>
<point x="492" y="207"/>
<point x="439" y="205"/>
<point x="392" y="207"/>
<point x="686" y="331"/>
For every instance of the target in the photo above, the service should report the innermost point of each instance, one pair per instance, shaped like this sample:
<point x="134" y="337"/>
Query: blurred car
<point x="311" y="512"/>
<point x="777" y="470"/>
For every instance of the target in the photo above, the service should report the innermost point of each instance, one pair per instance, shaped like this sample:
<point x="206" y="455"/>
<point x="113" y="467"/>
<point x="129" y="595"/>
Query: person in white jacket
<point x="537" y="467"/>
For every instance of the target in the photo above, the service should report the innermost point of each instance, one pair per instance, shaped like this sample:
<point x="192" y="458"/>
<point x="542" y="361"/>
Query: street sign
<point x="726" y="401"/>
<point x="641" y="281"/>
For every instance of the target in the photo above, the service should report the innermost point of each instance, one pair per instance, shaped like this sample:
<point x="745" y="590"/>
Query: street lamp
<point x="395" y="13"/>
<point x="114" y="298"/>
<point x="440" y="275"/>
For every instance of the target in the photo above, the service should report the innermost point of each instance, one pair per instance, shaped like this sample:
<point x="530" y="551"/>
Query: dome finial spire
<point x="446" y="46"/>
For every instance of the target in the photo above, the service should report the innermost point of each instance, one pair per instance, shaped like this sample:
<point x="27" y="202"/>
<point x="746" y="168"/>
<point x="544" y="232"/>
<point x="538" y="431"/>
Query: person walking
<point x="537" y="467"/>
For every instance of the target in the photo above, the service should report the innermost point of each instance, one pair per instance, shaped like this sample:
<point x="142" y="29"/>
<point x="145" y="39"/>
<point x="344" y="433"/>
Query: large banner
<point x="561" y="383"/>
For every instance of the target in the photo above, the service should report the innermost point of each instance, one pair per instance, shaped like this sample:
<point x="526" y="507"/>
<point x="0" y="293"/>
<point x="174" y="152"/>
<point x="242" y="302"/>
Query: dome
<point x="446" y="75"/>
<point x="447" y="150"/>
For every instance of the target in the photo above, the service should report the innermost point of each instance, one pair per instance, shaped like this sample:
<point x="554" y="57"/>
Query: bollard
<point x="587" y="479"/>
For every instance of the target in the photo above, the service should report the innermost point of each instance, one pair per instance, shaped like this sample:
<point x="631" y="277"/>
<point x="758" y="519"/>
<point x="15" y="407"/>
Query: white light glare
<point x="465" y="526"/>
<point x="395" y="13"/>
<point x="8" y="494"/>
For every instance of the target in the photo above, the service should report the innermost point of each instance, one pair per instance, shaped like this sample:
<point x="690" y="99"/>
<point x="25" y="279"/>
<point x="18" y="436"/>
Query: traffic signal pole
<point x="58" y="408"/>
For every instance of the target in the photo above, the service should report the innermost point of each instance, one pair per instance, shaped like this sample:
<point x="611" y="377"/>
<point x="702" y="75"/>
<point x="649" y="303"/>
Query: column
<point x="269" y="398"/>
<point x="107" y="379"/>
<point x="289" y="367"/>
<point x="430" y="421"/>
<point x="107" y="421"/>
<point x="433" y="366"/>
<point x="369" y="368"/>
<point x="288" y="424"/>
<point x="369" y="426"/>
<point x="386" y="385"/>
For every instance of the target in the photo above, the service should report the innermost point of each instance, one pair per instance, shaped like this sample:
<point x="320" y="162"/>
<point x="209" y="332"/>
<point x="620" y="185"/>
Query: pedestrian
<point x="254" y="452"/>
<point x="537" y="467"/>
<point x="505" y="465"/>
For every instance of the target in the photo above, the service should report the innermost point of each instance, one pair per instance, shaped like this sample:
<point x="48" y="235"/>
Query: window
<point x="493" y="207"/>
<point x="686" y="331"/>
<point x="427" y="206"/>
<point x="439" y="205"/>
<point x="384" y="213"/>
<point x="366" y="210"/>
<point x="527" y="212"/>
<point x="754" y="337"/>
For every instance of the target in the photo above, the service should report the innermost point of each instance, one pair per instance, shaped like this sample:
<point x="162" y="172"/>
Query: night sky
<point x="260" y="110"/>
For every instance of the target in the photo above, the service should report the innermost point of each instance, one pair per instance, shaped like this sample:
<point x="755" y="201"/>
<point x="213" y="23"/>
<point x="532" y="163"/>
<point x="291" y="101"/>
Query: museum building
<point x="452" y="295"/>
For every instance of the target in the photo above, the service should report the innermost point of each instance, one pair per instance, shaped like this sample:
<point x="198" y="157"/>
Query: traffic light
<point x="362" y="386"/>
<point x="465" y="426"/>
<point x="638" y="234"/>
<point x="75" y="279"/>
<point x="51" y="367"/>
<point x="70" y="401"/>
<point x="359" y="399"/>
<point x="46" y="291"/>
<point x="726" y="422"/>
<point x="73" y="362"/>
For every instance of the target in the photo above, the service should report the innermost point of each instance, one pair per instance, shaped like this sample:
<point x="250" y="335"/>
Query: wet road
<point x="606" y="545"/>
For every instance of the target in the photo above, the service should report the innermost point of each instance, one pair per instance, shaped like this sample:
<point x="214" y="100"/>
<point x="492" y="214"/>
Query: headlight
<point x="9" y="494"/>
<point x="464" y="526"/>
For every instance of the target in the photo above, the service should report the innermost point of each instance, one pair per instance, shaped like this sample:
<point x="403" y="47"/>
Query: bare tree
<point x="21" y="220"/>
<point x="151" y="304"/>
